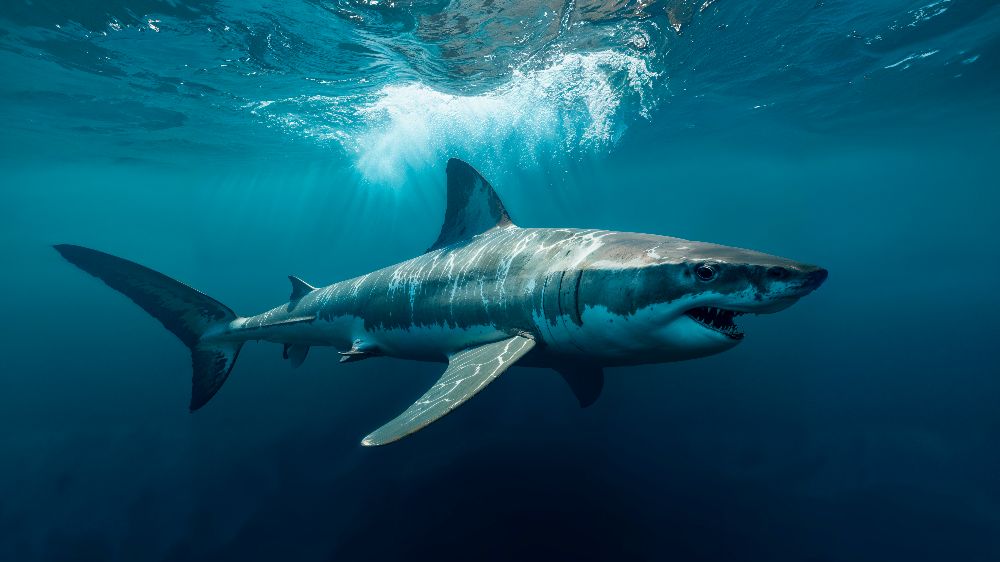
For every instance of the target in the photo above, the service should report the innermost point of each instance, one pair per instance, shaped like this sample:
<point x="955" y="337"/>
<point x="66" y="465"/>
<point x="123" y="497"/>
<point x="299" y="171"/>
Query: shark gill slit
<point x="576" y="299"/>
<point x="559" y="304"/>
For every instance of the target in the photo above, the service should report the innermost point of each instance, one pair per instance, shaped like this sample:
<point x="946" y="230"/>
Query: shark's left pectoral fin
<point x="468" y="372"/>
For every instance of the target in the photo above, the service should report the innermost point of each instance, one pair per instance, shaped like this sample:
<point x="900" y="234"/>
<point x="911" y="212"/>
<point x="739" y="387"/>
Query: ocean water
<point x="229" y="144"/>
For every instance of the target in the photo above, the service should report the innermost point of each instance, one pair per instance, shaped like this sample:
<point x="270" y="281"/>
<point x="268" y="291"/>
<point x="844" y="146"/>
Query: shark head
<point x="682" y="298"/>
<point x="724" y="283"/>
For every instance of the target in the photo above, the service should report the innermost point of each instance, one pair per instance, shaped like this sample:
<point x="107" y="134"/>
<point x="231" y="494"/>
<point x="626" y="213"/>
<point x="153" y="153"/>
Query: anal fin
<point x="296" y="353"/>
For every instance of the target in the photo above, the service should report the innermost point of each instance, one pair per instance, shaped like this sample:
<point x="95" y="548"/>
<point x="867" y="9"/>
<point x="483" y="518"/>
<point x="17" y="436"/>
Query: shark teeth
<point x="718" y="319"/>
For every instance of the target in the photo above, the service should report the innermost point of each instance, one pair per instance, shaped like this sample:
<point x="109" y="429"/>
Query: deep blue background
<point x="861" y="424"/>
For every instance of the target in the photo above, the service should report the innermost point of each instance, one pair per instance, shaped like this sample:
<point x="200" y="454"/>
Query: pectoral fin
<point x="468" y="372"/>
<point x="585" y="381"/>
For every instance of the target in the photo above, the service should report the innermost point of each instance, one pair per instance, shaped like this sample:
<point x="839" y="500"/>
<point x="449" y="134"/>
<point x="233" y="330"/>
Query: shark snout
<point x="816" y="278"/>
<point x="779" y="286"/>
<point x="809" y="279"/>
<point x="808" y="275"/>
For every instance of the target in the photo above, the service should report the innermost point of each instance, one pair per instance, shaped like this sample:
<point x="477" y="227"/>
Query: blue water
<point x="229" y="144"/>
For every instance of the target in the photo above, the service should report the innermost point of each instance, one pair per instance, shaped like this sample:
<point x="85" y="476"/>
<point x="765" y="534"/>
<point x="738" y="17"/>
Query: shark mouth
<point x="717" y="319"/>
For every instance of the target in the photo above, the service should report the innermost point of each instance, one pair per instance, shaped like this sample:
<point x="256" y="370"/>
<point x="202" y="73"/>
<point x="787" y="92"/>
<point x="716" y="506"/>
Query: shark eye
<point x="705" y="272"/>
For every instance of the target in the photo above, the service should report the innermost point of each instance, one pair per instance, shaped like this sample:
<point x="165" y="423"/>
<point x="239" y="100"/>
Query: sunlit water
<point x="229" y="144"/>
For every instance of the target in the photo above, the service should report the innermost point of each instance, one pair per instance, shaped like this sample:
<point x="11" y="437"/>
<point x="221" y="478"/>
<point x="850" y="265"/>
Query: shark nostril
<point x="777" y="272"/>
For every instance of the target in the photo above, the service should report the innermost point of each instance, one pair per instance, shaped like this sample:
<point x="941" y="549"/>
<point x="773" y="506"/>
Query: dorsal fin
<point x="299" y="288"/>
<point x="473" y="206"/>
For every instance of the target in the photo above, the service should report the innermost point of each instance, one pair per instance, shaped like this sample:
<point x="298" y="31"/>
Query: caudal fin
<point x="188" y="314"/>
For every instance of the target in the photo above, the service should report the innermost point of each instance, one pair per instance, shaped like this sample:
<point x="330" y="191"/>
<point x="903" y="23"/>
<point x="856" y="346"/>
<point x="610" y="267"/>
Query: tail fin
<point x="186" y="312"/>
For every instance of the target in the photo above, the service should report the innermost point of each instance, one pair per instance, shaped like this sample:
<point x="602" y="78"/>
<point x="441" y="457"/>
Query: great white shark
<point x="486" y="295"/>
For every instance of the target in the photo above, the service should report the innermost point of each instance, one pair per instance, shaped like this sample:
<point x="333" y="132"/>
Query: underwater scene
<point x="795" y="359"/>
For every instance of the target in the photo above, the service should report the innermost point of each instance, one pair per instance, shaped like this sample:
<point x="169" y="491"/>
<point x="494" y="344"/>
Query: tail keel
<point x="188" y="314"/>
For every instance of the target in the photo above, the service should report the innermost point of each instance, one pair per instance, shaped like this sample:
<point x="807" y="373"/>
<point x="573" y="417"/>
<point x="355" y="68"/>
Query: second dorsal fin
<point x="473" y="206"/>
<point x="299" y="288"/>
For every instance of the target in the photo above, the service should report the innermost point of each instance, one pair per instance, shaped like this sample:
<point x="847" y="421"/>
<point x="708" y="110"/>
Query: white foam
<point x="912" y="57"/>
<point x="580" y="103"/>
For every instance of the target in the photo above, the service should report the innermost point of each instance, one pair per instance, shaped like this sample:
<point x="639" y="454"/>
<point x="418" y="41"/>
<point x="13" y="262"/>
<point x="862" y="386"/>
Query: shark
<point x="487" y="295"/>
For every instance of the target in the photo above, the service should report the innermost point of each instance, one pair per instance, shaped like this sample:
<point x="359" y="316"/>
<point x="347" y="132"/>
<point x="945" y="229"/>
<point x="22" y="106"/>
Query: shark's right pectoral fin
<point x="468" y="372"/>
<point x="586" y="382"/>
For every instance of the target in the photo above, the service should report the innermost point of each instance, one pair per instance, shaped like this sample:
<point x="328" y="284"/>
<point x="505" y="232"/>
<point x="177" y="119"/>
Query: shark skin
<point x="574" y="300"/>
<point x="597" y="296"/>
